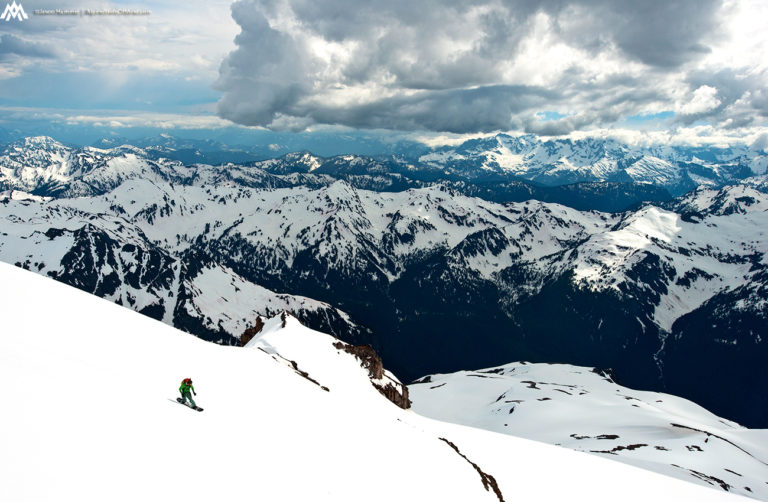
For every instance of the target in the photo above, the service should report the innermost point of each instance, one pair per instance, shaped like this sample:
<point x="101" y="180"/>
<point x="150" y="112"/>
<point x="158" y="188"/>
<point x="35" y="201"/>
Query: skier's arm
<point x="192" y="388"/>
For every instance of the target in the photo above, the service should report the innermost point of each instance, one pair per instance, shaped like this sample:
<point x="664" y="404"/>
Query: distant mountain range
<point x="592" y="173"/>
<point x="558" y="162"/>
<point x="417" y="259"/>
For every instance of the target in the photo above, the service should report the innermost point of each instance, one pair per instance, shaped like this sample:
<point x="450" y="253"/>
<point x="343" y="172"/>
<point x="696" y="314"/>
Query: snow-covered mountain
<point x="106" y="255"/>
<point x="588" y="174"/>
<point x="89" y="414"/>
<point x="584" y="409"/>
<point x="437" y="281"/>
<point x="562" y="161"/>
<point x="30" y="163"/>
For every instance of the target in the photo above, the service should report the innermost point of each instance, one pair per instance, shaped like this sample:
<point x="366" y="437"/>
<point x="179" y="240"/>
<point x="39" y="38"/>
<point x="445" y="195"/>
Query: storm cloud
<point x="481" y="66"/>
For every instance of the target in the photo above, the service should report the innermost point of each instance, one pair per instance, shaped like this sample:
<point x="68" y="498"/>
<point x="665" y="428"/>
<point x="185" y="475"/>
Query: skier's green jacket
<point x="186" y="387"/>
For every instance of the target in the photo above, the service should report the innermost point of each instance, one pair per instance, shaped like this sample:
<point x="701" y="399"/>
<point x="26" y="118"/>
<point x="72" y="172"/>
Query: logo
<point x="13" y="10"/>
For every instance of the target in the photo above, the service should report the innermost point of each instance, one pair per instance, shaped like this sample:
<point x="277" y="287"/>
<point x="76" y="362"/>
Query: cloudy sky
<point x="451" y="67"/>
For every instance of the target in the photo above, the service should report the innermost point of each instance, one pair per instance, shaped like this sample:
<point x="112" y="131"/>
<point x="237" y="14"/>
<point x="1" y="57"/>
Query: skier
<point x="186" y="387"/>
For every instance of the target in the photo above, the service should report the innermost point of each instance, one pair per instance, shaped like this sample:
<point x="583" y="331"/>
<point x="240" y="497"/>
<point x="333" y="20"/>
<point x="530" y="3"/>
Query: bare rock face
<point x="370" y="360"/>
<point x="395" y="392"/>
<point x="368" y="357"/>
<point x="252" y="331"/>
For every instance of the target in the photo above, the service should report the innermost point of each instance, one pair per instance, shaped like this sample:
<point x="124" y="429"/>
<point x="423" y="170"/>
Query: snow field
<point x="89" y="414"/>
<point x="573" y="407"/>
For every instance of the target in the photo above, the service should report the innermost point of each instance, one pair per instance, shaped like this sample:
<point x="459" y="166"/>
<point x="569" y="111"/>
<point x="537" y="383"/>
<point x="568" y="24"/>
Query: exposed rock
<point x="368" y="357"/>
<point x="395" y="392"/>
<point x="489" y="482"/>
<point x="295" y="367"/>
<point x="252" y="331"/>
<point x="712" y="480"/>
<point x="370" y="360"/>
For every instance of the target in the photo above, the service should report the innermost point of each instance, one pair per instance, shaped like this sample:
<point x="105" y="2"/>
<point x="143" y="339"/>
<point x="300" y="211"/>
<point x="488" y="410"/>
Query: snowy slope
<point x="89" y="415"/>
<point x="585" y="410"/>
<point x="710" y="241"/>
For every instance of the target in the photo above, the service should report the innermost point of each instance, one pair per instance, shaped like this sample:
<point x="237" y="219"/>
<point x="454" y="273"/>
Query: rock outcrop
<point x="370" y="360"/>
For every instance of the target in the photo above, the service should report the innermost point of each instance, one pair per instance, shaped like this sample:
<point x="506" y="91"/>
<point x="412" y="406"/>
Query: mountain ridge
<point x="422" y="268"/>
<point x="562" y="171"/>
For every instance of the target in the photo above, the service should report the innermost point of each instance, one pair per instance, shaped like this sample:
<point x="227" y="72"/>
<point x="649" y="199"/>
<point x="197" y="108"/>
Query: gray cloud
<point x="11" y="45"/>
<point x="268" y="67"/>
<point x="742" y="96"/>
<point x="659" y="33"/>
<point x="557" y="127"/>
<point x="459" y="66"/>
<point x="461" y="110"/>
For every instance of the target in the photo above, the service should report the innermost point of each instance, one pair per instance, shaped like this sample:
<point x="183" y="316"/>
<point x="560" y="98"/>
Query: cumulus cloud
<point x="703" y="100"/>
<point x="479" y="66"/>
<point x="728" y="97"/>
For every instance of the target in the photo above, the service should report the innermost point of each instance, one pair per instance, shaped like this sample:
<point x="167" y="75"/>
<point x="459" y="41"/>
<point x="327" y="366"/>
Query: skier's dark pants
<point x="188" y="395"/>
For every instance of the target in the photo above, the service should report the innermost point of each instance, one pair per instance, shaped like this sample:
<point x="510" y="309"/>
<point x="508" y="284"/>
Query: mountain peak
<point x="38" y="141"/>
